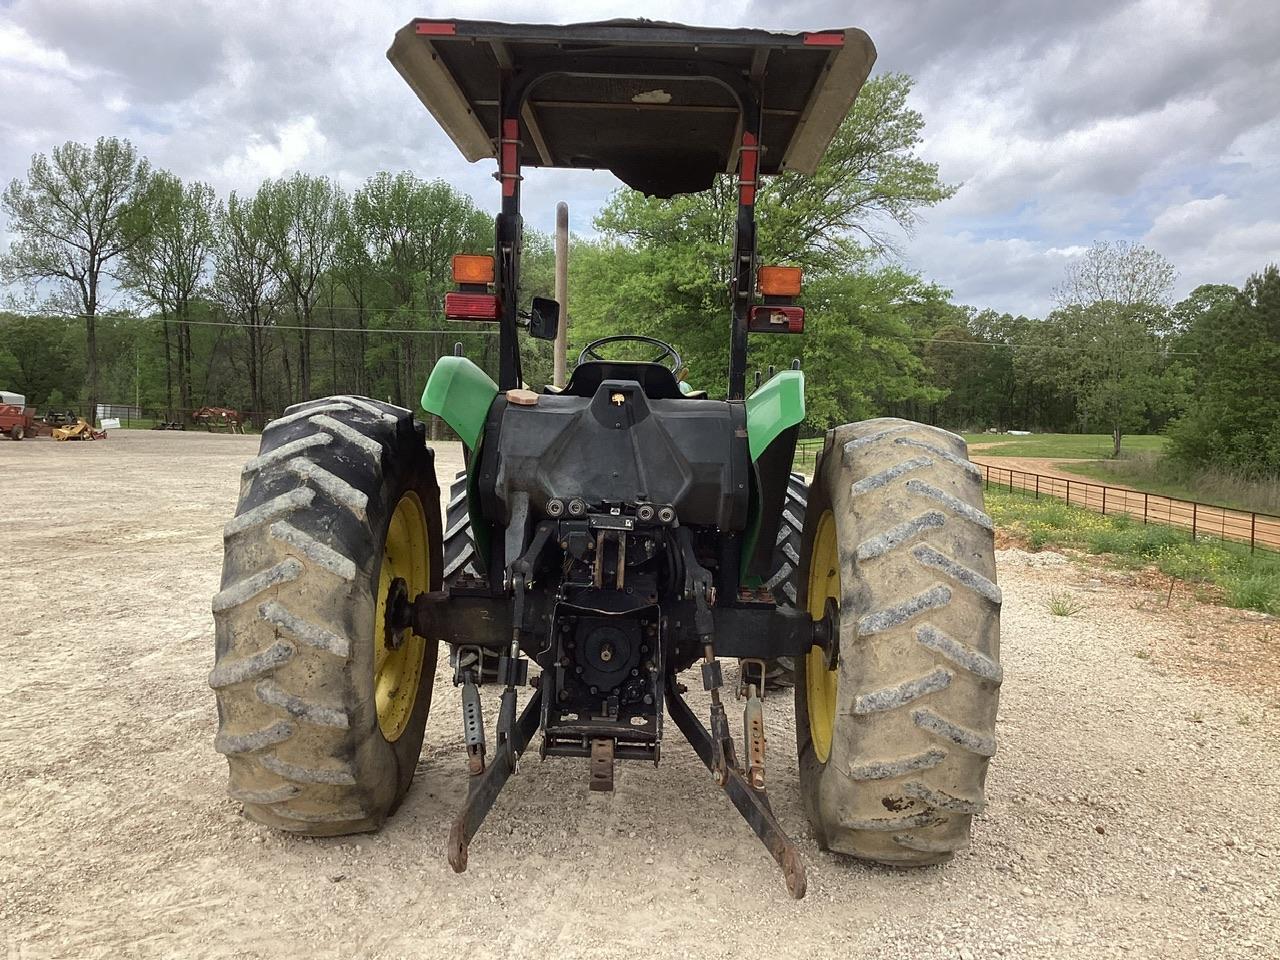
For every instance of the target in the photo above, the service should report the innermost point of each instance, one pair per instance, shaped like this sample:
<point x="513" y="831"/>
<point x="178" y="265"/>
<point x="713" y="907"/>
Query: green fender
<point x="460" y="393"/>
<point x="776" y="406"/>
<point x="773" y="409"/>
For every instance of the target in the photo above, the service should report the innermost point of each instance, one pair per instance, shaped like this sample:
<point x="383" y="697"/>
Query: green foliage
<point x="1235" y="421"/>
<point x="1063" y="604"/>
<point x="171" y="237"/>
<point x="69" y="218"/>
<point x="1108" y="356"/>
<point x="855" y="352"/>
<point x="1123" y="537"/>
<point x="1257" y="591"/>
<point x="661" y="267"/>
<point x="39" y="358"/>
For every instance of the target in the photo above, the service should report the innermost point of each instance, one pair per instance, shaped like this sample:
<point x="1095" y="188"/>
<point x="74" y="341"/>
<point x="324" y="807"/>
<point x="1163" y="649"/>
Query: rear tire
<point x="459" y="547"/>
<point x="784" y="572"/>
<point x="894" y="743"/>
<point x="320" y="720"/>
<point x="784" y="576"/>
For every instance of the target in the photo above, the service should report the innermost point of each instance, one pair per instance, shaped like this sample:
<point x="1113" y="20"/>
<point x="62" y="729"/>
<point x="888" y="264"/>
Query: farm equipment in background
<point x="59" y="418"/>
<point x="80" y="430"/>
<point x="611" y="534"/>
<point x="17" y="420"/>
<point x="219" y="418"/>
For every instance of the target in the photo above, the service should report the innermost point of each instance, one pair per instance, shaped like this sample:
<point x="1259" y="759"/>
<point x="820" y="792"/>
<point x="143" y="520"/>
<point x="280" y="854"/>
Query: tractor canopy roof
<point x="661" y="105"/>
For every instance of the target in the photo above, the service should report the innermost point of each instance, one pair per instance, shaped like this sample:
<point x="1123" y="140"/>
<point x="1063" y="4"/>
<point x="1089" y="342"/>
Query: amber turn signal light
<point x="472" y="268"/>
<point x="779" y="281"/>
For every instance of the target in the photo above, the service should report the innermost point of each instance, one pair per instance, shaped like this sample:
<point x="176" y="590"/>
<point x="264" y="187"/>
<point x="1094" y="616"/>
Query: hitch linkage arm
<point x="715" y="747"/>
<point x="514" y="733"/>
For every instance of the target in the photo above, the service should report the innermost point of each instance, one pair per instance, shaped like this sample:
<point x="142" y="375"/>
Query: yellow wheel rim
<point x="819" y="682"/>
<point x="396" y="673"/>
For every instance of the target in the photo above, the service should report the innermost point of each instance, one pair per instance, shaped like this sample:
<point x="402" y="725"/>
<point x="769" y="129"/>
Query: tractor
<point x="619" y="538"/>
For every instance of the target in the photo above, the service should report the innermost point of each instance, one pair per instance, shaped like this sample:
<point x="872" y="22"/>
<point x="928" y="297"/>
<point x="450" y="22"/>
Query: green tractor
<point x="623" y="529"/>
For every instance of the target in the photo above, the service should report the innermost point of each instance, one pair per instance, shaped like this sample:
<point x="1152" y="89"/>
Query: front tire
<point x="320" y="719"/>
<point x="894" y="742"/>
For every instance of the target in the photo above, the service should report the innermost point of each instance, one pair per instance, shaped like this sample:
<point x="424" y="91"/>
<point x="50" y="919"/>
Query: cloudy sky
<point x="1062" y="122"/>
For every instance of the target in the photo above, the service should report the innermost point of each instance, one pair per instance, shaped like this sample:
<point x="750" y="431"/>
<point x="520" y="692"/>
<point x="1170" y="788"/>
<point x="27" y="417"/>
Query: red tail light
<point x="470" y="306"/>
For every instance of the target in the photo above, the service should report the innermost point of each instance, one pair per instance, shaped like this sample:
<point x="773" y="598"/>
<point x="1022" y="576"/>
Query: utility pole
<point x="562" y="291"/>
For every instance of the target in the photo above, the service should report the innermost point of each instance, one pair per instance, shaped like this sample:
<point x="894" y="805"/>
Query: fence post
<point x="1144" y="508"/>
<point x="987" y="469"/>
<point x="1037" y="486"/>
<point x="1194" y="510"/>
<point x="1011" y="481"/>
<point x="1068" y="493"/>
<point x="1104" y="501"/>
<point x="1253" y="529"/>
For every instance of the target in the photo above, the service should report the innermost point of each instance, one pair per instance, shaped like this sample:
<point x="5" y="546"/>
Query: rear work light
<point x="472" y="268"/>
<point x="779" y="281"/>
<point x="470" y="306"/>
<point x="776" y="319"/>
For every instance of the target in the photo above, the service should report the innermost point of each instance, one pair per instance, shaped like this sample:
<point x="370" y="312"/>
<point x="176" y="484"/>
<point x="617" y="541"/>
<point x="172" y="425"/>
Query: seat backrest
<point x="657" y="381"/>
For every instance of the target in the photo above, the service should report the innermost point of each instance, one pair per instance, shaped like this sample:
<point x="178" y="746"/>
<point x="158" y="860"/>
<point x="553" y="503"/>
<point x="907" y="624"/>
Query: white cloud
<point x="1147" y="120"/>
<point x="19" y="49"/>
<point x="297" y="145"/>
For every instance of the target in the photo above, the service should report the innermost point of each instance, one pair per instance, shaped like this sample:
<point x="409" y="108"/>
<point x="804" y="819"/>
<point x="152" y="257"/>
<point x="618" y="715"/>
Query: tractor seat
<point x="656" y="380"/>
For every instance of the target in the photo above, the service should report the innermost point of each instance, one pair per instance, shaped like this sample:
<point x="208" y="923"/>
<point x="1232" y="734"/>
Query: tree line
<point x="254" y="301"/>
<point x="137" y="284"/>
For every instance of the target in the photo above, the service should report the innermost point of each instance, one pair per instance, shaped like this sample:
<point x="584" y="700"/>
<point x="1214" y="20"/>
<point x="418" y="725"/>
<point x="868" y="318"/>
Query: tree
<point x="1110" y="359"/>
<point x="244" y="281"/>
<point x="303" y="220"/>
<point x="412" y="228"/>
<point x="1121" y="272"/>
<point x="69" y="216"/>
<point x="663" y="266"/>
<point x="1113" y="317"/>
<point x="857" y="350"/>
<point x="35" y="360"/>
<point x="353" y="270"/>
<point x="869" y="188"/>
<point x="1235" y="422"/>
<point x="167" y="262"/>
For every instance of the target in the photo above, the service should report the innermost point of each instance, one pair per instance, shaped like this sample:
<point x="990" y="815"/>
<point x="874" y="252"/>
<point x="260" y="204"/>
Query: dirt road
<point x="1133" y="804"/>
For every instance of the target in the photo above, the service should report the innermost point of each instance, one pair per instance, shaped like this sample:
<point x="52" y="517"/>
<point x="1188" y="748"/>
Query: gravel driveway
<point x="1133" y="804"/>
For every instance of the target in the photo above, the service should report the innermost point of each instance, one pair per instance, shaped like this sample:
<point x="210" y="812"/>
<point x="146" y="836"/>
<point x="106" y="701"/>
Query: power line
<point x="1002" y="344"/>
<point x="265" y="326"/>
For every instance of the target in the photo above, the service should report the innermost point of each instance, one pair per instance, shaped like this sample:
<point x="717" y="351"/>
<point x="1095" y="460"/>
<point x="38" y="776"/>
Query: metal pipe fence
<point x="1198" y="518"/>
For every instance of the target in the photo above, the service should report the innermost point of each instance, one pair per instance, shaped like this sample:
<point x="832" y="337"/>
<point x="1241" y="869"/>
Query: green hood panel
<point x="776" y="406"/>
<point x="460" y="393"/>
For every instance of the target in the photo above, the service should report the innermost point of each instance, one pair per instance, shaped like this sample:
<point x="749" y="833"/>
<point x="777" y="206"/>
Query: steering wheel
<point x="592" y="352"/>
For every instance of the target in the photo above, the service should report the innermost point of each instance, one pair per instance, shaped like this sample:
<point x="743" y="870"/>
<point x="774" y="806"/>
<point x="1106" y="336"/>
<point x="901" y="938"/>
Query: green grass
<point x="1064" y="604"/>
<point x="1068" y="446"/>
<point x="1249" y="581"/>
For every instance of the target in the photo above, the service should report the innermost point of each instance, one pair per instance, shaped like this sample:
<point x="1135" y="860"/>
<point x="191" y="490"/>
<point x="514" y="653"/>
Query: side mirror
<point x="544" y="318"/>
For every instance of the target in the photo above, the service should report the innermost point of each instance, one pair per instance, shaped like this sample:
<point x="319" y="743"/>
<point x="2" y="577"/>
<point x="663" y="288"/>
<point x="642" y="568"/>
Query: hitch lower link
<point x="715" y="746"/>
<point x="745" y="787"/>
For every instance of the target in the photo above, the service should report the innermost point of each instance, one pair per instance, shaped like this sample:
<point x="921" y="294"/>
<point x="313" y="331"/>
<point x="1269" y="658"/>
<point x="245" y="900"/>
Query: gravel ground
<point x="1132" y="806"/>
